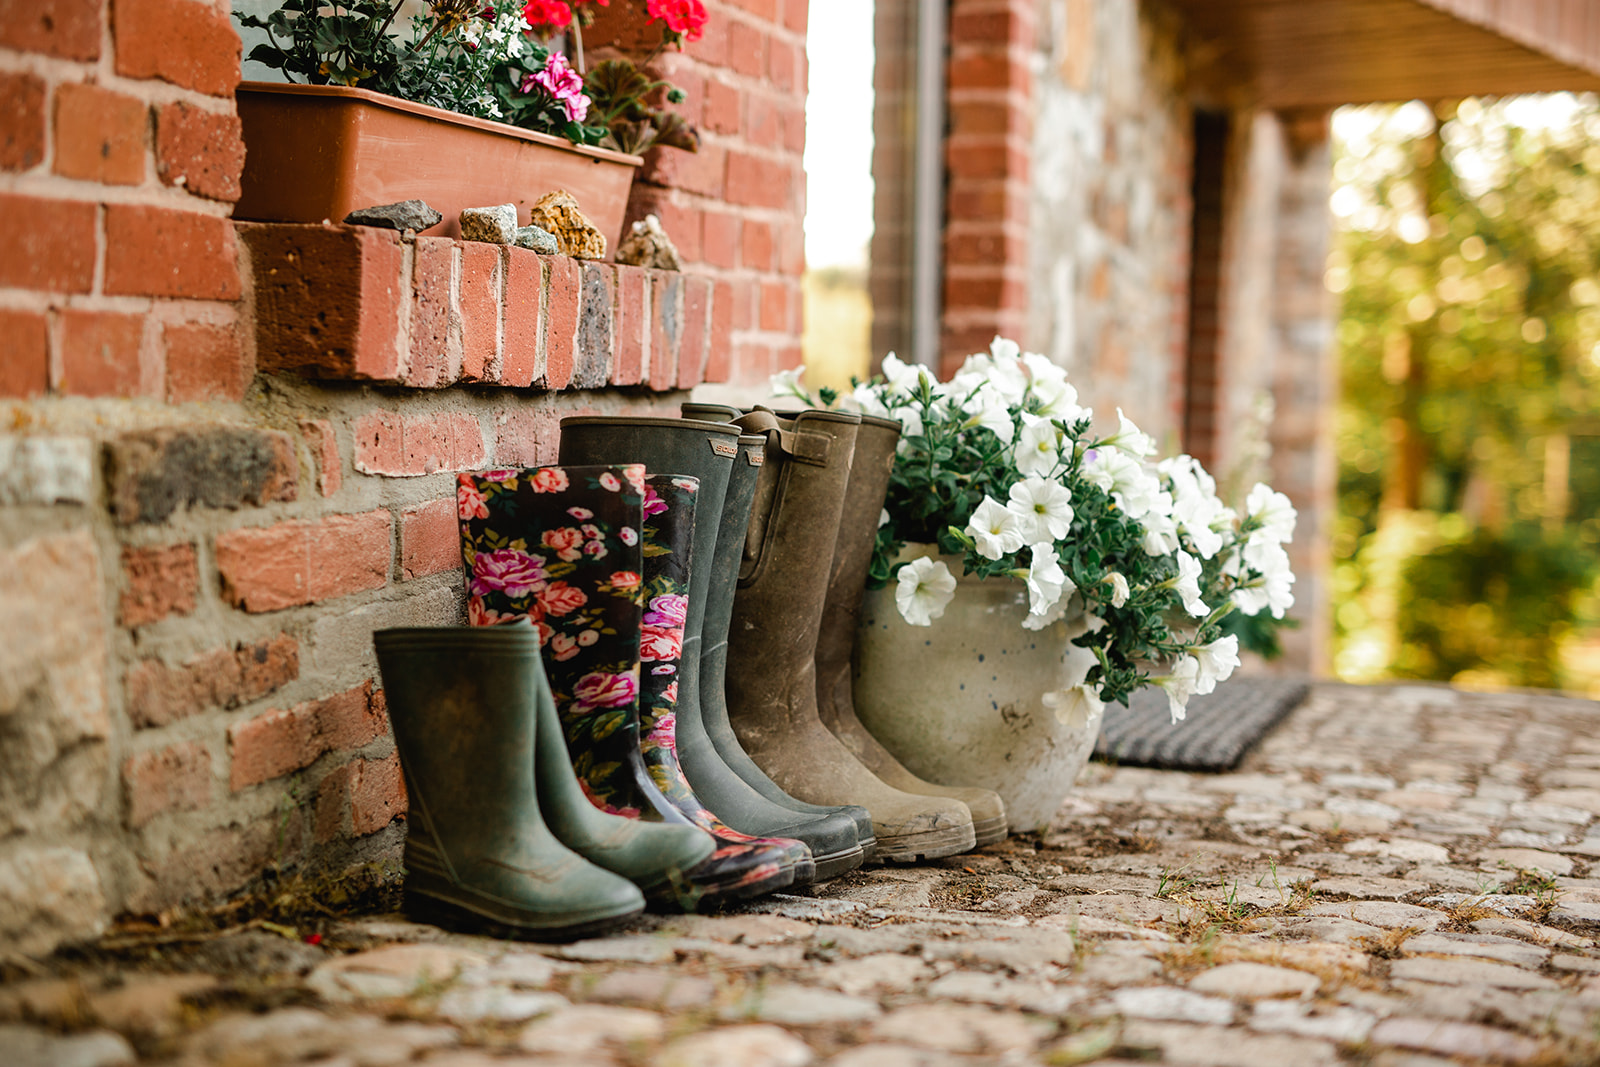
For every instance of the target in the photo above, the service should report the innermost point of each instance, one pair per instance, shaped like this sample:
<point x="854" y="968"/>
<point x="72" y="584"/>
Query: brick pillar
<point x="990" y="96"/>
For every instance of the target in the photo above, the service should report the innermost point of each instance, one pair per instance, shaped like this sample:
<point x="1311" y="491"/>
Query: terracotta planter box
<point x="315" y="152"/>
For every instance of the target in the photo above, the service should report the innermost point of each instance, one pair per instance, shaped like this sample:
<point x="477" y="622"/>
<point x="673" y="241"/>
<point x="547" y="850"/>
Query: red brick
<point x="397" y="446"/>
<point x="480" y="310"/>
<point x="100" y="135"/>
<point x="746" y="303"/>
<point x="100" y="353"/>
<point x="325" y="452"/>
<point x="719" y="346"/>
<point x="50" y="244"/>
<point x="430" y="540"/>
<point x="703" y="172"/>
<point x="151" y="251"/>
<point x="986" y="70"/>
<point x="694" y="331"/>
<point x="277" y="742"/>
<point x="792" y="249"/>
<point x="752" y="363"/>
<point x="796" y="15"/>
<point x="719" y="241"/>
<point x="373" y="791"/>
<point x="26" y="369"/>
<point x="204" y="362"/>
<point x="22" y="120"/>
<point x="785" y="64"/>
<point x="682" y="225"/>
<point x="175" y="778"/>
<point x="756" y="248"/>
<point x="765" y="10"/>
<point x="756" y="181"/>
<point x="765" y="126"/>
<point x="747" y="49"/>
<point x="226" y="677"/>
<point x="327" y="299"/>
<point x="190" y="43"/>
<point x="527" y="438"/>
<point x="632" y="317"/>
<point x="333" y="800"/>
<point x="794" y="128"/>
<point x="195" y="869"/>
<point x="775" y="307"/>
<point x="723" y="107"/>
<point x="433" y="363"/>
<point x="157" y="582"/>
<point x="520" y="362"/>
<point x="666" y="298"/>
<point x="201" y="150"/>
<point x="292" y="563"/>
<point x="67" y="29"/>
<point x="561" y="328"/>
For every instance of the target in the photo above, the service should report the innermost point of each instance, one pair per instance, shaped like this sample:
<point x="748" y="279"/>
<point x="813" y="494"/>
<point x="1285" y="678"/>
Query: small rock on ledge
<point x="492" y="225"/>
<point x="406" y="215"/>
<point x="649" y="246"/>
<point x="577" y="236"/>
<point x="539" y="239"/>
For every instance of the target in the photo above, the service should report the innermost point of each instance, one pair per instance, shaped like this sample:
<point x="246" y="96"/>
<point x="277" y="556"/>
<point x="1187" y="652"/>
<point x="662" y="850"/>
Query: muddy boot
<point x="561" y="547"/>
<point x="464" y="706"/>
<point x="772" y="645"/>
<point x="706" y="451"/>
<point x="858" y="526"/>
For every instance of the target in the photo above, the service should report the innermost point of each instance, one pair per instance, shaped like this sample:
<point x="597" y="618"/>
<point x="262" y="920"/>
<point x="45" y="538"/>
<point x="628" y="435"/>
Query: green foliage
<point x="621" y="96"/>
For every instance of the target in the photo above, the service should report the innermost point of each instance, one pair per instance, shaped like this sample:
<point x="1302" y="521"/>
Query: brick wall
<point x="229" y="450"/>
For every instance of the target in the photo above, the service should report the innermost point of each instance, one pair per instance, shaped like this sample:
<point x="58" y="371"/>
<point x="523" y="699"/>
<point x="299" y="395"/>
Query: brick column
<point x="991" y="97"/>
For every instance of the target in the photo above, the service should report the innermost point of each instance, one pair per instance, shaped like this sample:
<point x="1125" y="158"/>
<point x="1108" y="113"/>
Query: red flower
<point x="547" y="14"/>
<point x="558" y="598"/>
<point x="657" y="643"/>
<point x="566" y="541"/>
<point x="684" y="17"/>
<point x="549" y="479"/>
<point x="624" y="579"/>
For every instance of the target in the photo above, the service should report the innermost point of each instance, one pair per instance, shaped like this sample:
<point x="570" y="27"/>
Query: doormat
<point x="1220" y="728"/>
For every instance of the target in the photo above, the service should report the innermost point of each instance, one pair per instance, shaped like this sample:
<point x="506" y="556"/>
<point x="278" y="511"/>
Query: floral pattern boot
<point x="561" y="547"/>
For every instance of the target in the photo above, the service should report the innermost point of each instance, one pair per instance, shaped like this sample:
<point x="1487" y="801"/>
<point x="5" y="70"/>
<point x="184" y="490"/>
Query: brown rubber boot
<point x="772" y="644"/>
<point x="858" y="525"/>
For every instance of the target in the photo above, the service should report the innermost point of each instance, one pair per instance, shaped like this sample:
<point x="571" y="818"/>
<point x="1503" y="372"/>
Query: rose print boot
<point x="479" y="854"/>
<point x="561" y="548"/>
<point x="668" y="537"/>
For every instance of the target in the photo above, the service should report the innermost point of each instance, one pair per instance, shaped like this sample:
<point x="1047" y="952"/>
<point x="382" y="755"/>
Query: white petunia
<point x="1187" y="584"/>
<point x="1130" y="439"/>
<point x="1273" y="511"/>
<point x="1132" y="485"/>
<point x="1045" y="509"/>
<point x="1180" y="686"/>
<point x="1270" y="589"/>
<point x="1037" y="452"/>
<point x="1077" y="707"/>
<point x="786" y="383"/>
<point x="996" y="530"/>
<point x="996" y="418"/>
<point x="1217" y="662"/>
<point x="926" y="587"/>
<point x="883" y="518"/>
<point x="1047" y="582"/>
<point x="1160" y="534"/>
<point x="902" y="378"/>
<point x="1119" y="588"/>
<point x="1048" y="383"/>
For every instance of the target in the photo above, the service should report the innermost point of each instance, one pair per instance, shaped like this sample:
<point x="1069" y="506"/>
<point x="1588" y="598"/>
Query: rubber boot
<point x="706" y="451"/>
<point x="719" y="615"/>
<point x="772" y="645"/>
<point x="464" y="707"/>
<point x="841" y="615"/>
<point x="562" y="548"/>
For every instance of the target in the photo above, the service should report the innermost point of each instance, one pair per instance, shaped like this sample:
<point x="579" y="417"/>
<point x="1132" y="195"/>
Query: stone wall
<point x="229" y="450"/>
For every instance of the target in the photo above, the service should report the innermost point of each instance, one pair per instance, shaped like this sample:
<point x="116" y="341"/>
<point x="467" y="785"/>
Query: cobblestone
<point x="1395" y="878"/>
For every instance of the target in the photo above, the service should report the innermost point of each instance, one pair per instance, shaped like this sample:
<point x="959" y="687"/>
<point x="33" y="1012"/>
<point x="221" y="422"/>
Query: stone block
<point x="152" y="473"/>
<point x="46" y="470"/>
<point x="48" y="895"/>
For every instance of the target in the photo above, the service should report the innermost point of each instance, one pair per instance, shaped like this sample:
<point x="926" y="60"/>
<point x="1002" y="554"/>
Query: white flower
<point x="1270" y="589"/>
<point x="1160" y="534"/>
<point x="1119" y="588"/>
<point x="1274" y="512"/>
<point x="996" y="530"/>
<point x="1077" y="707"/>
<point x="1216" y="662"/>
<point x="1133" y="487"/>
<point x="1130" y="439"/>
<point x="1036" y="451"/>
<point x="1180" y="686"/>
<point x="1045" y="509"/>
<point x="1047" y="582"/>
<point x="1187" y="584"/>
<point x="883" y="518"/>
<point x="864" y="398"/>
<point x="901" y="378"/>
<point x="1003" y="349"/>
<point x="995" y="417"/>
<point x="926" y="587"/>
<point x="787" y="383"/>
<point x="1048" y="383"/>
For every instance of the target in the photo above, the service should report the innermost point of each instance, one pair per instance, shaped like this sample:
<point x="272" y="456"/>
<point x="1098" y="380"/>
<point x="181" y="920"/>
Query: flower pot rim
<point x="436" y="114"/>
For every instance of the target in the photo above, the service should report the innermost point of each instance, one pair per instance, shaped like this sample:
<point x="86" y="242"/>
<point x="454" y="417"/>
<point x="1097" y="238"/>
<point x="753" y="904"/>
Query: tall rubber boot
<point x="772" y="645"/>
<point x="562" y="548"/>
<point x="719" y="615"/>
<point x="841" y="615"/>
<point x="464" y="707"/>
<point x="706" y="451"/>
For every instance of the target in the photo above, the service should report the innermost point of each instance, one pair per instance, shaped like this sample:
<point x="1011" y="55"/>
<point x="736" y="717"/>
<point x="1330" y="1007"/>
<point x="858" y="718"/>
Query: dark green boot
<point x="706" y="451"/>
<point x="464" y="707"/>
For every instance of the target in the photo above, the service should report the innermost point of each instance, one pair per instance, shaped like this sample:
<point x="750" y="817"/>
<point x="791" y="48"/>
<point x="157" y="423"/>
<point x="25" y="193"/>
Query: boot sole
<point x="701" y="897"/>
<point x="928" y="845"/>
<point x="475" y="916"/>
<point x="989" y="831"/>
<point x="834" y="864"/>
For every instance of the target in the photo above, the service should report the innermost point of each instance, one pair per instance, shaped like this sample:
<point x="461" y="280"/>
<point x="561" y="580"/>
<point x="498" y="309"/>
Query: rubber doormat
<point x="1220" y="728"/>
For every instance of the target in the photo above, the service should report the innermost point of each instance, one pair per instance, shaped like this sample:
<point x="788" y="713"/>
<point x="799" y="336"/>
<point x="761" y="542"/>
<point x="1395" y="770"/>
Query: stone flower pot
<point x="960" y="702"/>
<point x="315" y="152"/>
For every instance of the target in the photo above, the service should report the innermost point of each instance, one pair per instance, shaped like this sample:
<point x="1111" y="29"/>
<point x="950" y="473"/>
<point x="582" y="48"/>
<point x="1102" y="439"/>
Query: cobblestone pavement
<point x="1397" y="877"/>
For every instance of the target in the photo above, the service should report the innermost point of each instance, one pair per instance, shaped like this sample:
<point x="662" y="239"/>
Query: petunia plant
<point x="1003" y="468"/>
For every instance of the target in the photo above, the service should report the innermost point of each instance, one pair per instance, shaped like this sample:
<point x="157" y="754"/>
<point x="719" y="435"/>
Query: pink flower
<point x="469" y="502"/>
<point x="588" y="637"/>
<point x="635" y="472"/>
<point x="669" y="609"/>
<point x="516" y="573"/>
<point x="608" y="481"/>
<point x="562" y="82"/>
<point x="591" y="532"/>
<point x="595" y="550"/>
<point x="629" y="536"/>
<point x="665" y="733"/>
<point x="658" y="643"/>
<point x="495" y="476"/>
<point x="580" y="513"/>
<point x="566" y="542"/>
<point x="602" y="689"/>
<point x="558" y="598"/>
<point x="478" y="615"/>
<point x="625" y="580"/>
<point x="663" y="670"/>
<point x="688" y="485"/>
<point x="562" y="647"/>
<point x="549" y="480"/>
<point x="653" y="504"/>
<point x="670" y="695"/>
